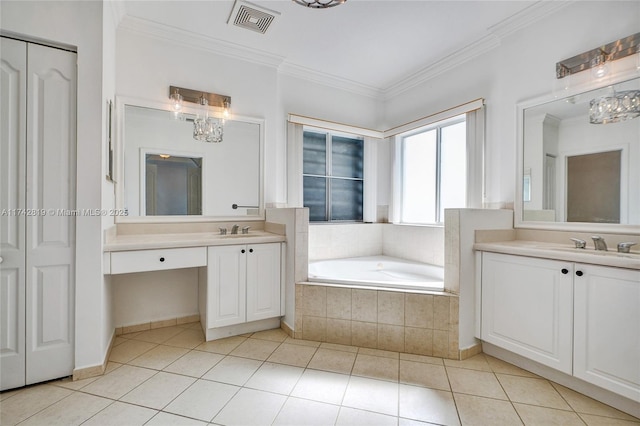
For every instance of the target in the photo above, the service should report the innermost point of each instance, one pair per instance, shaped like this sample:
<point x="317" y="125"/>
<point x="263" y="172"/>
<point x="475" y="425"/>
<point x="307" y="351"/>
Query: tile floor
<point x="171" y="376"/>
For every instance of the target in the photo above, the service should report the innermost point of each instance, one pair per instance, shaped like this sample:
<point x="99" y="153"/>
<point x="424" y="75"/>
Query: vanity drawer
<point x="124" y="262"/>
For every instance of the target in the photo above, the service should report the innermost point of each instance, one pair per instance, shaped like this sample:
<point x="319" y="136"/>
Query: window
<point x="333" y="174"/>
<point x="433" y="171"/>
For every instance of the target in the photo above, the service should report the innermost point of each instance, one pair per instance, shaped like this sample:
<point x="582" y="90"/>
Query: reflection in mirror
<point x="198" y="178"/>
<point x="575" y="171"/>
<point x="172" y="185"/>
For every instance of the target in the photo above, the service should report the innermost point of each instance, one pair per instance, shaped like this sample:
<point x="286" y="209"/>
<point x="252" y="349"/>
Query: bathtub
<point x="378" y="272"/>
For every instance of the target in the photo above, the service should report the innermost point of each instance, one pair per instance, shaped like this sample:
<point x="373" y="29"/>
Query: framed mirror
<point x="164" y="174"/>
<point x="574" y="174"/>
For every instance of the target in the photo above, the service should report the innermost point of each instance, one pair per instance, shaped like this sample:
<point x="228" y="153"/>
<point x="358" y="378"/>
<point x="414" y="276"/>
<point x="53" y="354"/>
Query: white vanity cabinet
<point x="581" y="319"/>
<point x="126" y="262"/>
<point x="527" y="307"/>
<point x="243" y="284"/>
<point x="607" y="329"/>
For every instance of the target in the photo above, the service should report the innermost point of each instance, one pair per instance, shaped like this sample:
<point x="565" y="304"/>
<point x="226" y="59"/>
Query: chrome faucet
<point x="625" y="247"/>
<point x="599" y="243"/>
<point x="580" y="244"/>
<point x="234" y="229"/>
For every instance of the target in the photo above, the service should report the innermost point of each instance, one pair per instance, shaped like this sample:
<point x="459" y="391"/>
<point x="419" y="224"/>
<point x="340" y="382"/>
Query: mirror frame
<point x="590" y="227"/>
<point x="121" y="103"/>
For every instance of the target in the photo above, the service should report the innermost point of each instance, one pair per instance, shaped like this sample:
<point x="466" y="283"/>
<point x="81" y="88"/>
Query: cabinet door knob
<point x="162" y="259"/>
<point x="250" y="250"/>
<point x="242" y="251"/>
<point x="565" y="271"/>
<point x="579" y="273"/>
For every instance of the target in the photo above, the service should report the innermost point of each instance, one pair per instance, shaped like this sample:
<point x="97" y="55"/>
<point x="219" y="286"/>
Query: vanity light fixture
<point x="598" y="59"/>
<point x="319" y="4"/>
<point x="205" y="127"/>
<point x="619" y="106"/>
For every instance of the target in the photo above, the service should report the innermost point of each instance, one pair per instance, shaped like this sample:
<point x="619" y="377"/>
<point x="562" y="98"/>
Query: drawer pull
<point x="242" y="251"/>
<point x="250" y="250"/>
<point x="579" y="273"/>
<point x="162" y="259"/>
<point x="565" y="271"/>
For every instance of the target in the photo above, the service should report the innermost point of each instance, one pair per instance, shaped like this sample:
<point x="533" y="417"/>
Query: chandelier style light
<point x="319" y="4"/>
<point x="620" y="106"/>
<point x="206" y="128"/>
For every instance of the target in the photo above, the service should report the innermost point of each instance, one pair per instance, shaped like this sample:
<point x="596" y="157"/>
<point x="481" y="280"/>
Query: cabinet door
<point x="607" y="329"/>
<point x="527" y="307"/>
<point x="263" y="281"/>
<point x="226" y="294"/>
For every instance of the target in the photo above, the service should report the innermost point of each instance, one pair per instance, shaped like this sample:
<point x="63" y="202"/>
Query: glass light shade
<point x="176" y="105"/>
<point x="599" y="67"/>
<point x="176" y="101"/>
<point x="620" y="106"/>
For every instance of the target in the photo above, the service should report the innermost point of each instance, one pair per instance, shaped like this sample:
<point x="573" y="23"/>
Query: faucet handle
<point x="245" y="229"/>
<point x="223" y="231"/>
<point x="579" y="243"/>
<point x="625" y="247"/>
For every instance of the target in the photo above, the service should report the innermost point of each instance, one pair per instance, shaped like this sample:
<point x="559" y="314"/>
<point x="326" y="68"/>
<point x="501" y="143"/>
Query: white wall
<point x="520" y="68"/>
<point x="79" y="24"/>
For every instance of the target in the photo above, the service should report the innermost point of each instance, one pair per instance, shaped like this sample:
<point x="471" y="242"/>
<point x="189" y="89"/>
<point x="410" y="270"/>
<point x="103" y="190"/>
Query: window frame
<point x="328" y="176"/>
<point x="400" y="155"/>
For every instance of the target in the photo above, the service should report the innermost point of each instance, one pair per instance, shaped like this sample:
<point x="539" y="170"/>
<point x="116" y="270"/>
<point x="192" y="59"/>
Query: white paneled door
<point x="37" y="222"/>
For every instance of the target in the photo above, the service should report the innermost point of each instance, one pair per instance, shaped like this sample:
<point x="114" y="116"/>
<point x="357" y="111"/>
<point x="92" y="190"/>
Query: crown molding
<point x="496" y="33"/>
<point x="193" y="40"/>
<point x="308" y="74"/>
<point x="528" y="16"/>
<point x="443" y="65"/>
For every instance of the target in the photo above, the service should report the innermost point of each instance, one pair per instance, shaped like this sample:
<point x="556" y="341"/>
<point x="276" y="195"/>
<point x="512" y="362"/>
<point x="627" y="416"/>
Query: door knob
<point x="579" y="273"/>
<point x="565" y="271"/>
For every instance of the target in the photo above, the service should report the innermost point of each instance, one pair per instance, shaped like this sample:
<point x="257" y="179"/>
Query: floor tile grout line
<point x="455" y="403"/>
<point x="350" y="374"/>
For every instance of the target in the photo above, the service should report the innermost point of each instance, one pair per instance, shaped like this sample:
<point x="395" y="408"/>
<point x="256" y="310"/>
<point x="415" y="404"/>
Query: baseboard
<point x="157" y="324"/>
<point x="470" y="351"/>
<point x="96" y="370"/>
<point x="285" y="327"/>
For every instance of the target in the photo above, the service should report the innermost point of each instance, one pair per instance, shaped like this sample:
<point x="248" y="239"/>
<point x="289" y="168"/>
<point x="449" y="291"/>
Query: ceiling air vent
<point x="252" y="17"/>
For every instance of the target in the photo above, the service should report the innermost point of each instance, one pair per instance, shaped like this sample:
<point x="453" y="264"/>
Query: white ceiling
<point x="371" y="44"/>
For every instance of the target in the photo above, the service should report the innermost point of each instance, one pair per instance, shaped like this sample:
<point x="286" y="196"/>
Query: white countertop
<point x="196" y="239"/>
<point x="562" y="252"/>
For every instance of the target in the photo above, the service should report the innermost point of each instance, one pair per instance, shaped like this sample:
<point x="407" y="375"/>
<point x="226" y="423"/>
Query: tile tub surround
<point x="418" y="243"/>
<point x="423" y="324"/>
<point x="267" y="378"/>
